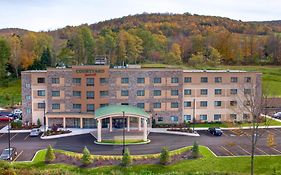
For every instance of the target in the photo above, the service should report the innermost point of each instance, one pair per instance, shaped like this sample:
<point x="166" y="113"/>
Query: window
<point x="174" y="104"/>
<point x="41" y="93"/>
<point x="76" y="106"/>
<point x="28" y="110"/>
<point x="218" y="91"/>
<point x="27" y="85"/>
<point x="233" y="79"/>
<point x="157" y="92"/>
<point x="233" y="103"/>
<point x="247" y="91"/>
<point x="233" y="91"/>
<point x="174" y="118"/>
<point x="55" y="81"/>
<point x="27" y="97"/>
<point x="90" y="81"/>
<point x="90" y="94"/>
<point x="204" y="79"/>
<point x="55" y="93"/>
<point x="233" y="116"/>
<point x="218" y="79"/>
<point x="55" y="106"/>
<point x="76" y="93"/>
<point x="160" y="119"/>
<point x="103" y="93"/>
<point x="187" y="79"/>
<point x="203" y="103"/>
<point x="204" y="91"/>
<point x="103" y="105"/>
<point x="187" y="104"/>
<point x="140" y="80"/>
<point x="187" y="117"/>
<point x="174" y="80"/>
<point x="217" y="117"/>
<point x="125" y="80"/>
<point x="174" y="92"/>
<point x="76" y="80"/>
<point x="124" y="103"/>
<point x="247" y="103"/>
<point x="40" y="80"/>
<point x="217" y="103"/>
<point x="157" y="105"/>
<point x="124" y="93"/>
<point x="157" y="80"/>
<point x="246" y="116"/>
<point x="187" y="92"/>
<point x="90" y="108"/>
<point x="247" y="79"/>
<point x="41" y="105"/>
<point x="140" y="105"/>
<point x="103" y="80"/>
<point x="140" y="93"/>
<point x="203" y="117"/>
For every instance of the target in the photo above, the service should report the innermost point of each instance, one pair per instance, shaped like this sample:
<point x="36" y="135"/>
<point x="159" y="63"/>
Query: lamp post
<point x="193" y="123"/>
<point x="44" y="117"/>
<point x="9" y="138"/>
<point x="123" y="133"/>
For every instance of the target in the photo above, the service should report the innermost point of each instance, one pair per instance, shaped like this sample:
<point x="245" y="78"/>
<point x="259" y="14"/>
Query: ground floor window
<point x="89" y="123"/>
<point x="233" y="116"/>
<point x="203" y="117"/>
<point x="217" y="117"/>
<point x="187" y="117"/>
<point x="160" y="119"/>
<point x="174" y="118"/>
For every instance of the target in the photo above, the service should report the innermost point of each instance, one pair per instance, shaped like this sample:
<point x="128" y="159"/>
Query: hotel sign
<point x="89" y="72"/>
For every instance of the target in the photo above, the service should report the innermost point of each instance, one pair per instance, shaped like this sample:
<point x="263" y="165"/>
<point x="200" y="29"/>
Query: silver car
<point x="35" y="132"/>
<point x="277" y="115"/>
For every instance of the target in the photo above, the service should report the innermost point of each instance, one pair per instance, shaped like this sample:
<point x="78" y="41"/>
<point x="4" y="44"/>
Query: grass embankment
<point x="10" y="92"/>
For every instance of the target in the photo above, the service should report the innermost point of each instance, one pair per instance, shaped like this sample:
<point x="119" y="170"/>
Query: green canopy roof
<point x="118" y="110"/>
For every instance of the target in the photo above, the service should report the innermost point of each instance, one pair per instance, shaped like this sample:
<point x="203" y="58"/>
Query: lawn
<point x="10" y="92"/>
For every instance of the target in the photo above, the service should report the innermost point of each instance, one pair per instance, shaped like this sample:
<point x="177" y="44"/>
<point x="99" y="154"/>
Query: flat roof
<point x="215" y="71"/>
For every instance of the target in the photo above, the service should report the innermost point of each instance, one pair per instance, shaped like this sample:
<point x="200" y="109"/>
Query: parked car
<point x="14" y="116"/>
<point x="277" y="115"/>
<point x="17" y="111"/>
<point x="35" y="132"/>
<point x="215" y="131"/>
<point x="9" y="155"/>
<point x="6" y="118"/>
<point x="4" y="113"/>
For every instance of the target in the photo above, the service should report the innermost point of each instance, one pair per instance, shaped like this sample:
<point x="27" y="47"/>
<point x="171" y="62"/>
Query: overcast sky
<point x="51" y="14"/>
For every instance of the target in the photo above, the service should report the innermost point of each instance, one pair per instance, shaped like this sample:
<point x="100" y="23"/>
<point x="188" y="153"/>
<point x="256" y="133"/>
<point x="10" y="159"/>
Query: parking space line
<point x="1" y="135"/>
<point x="26" y="137"/>
<point x="14" y="136"/>
<point x="18" y="156"/>
<point x="276" y="150"/>
<point x="243" y="149"/>
<point x="224" y="134"/>
<point x="227" y="151"/>
<point x="261" y="150"/>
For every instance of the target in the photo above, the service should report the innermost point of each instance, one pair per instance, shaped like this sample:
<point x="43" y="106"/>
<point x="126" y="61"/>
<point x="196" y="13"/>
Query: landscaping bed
<point x="187" y="130"/>
<point x="17" y="125"/>
<point x="58" y="132"/>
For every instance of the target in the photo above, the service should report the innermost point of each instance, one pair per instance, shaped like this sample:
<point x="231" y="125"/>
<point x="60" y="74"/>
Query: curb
<point x="177" y="133"/>
<point x="140" y="143"/>
<point x="60" y="136"/>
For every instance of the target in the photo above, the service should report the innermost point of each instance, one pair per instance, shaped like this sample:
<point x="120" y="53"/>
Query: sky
<point x="42" y="15"/>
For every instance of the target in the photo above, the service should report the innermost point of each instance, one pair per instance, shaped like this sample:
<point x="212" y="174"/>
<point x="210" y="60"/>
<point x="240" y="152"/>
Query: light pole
<point x="9" y="138"/>
<point x="123" y="132"/>
<point x="44" y="117"/>
<point x="193" y="123"/>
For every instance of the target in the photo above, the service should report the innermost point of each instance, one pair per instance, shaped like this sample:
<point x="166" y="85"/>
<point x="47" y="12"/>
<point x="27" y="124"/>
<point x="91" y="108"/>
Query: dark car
<point x="215" y="131"/>
<point x="9" y="155"/>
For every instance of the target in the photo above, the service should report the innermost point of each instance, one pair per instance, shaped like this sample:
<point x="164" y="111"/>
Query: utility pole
<point x="123" y="133"/>
<point x="9" y="138"/>
<point x="193" y="123"/>
<point x="44" y="117"/>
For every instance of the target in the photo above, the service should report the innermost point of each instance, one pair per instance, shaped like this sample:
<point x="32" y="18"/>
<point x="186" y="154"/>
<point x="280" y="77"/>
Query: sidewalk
<point x="74" y="131"/>
<point x="164" y="131"/>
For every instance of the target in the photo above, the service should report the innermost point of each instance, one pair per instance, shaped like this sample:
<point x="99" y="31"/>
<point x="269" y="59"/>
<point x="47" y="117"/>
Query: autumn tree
<point x="4" y="56"/>
<point x="16" y="48"/>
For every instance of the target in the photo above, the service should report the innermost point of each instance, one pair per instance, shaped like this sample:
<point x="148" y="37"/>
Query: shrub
<point x="86" y="158"/>
<point x="164" y="156"/>
<point x="50" y="155"/>
<point x="195" y="150"/>
<point x="55" y="128"/>
<point x="126" y="159"/>
<point x="38" y="122"/>
<point x="16" y="124"/>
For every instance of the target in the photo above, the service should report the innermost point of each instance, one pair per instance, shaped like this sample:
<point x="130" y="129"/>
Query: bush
<point x="164" y="156"/>
<point x="86" y="158"/>
<point x="50" y="155"/>
<point x="126" y="159"/>
<point x="38" y="122"/>
<point x="16" y="124"/>
<point x="55" y="128"/>
<point x="195" y="150"/>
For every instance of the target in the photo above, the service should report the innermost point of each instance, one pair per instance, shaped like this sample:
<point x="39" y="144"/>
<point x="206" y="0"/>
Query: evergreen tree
<point x="4" y="56"/>
<point x="86" y="158"/>
<point x="46" y="58"/>
<point x="126" y="159"/>
<point x="195" y="150"/>
<point x="50" y="155"/>
<point x="164" y="156"/>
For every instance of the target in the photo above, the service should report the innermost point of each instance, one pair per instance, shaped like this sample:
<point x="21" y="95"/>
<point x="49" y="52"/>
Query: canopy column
<point x="99" y="130"/>
<point x="145" y="129"/>
<point x="110" y="124"/>
<point x="139" y="127"/>
<point x="128" y="123"/>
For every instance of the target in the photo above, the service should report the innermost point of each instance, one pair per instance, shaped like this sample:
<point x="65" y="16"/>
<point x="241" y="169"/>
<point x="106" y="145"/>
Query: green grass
<point x="121" y="141"/>
<point x="10" y="92"/>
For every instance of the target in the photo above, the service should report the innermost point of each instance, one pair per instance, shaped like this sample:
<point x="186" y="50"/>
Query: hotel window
<point x="55" y="93"/>
<point x="103" y="105"/>
<point x="187" y="92"/>
<point x="187" y="79"/>
<point x="157" y="105"/>
<point x="125" y="80"/>
<point x="203" y="103"/>
<point x="90" y="108"/>
<point x="140" y="93"/>
<point x="174" y="118"/>
<point x="218" y="79"/>
<point x="246" y="116"/>
<point x="174" y="92"/>
<point x="55" y="81"/>
<point x="140" y="80"/>
<point x="204" y="91"/>
<point x="217" y="103"/>
<point x="140" y="105"/>
<point x="247" y="91"/>
<point x="187" y="117"/>
<point x="233" y="91"/>
<point x="217" y="117"/>
<point x="174" y="80"/>
<point x="233" y="79"/>
<point x="218" y="91"/>
<point x="233" y="116"/>
<point x="174" y="104"/>
<point x="187" y="104"/>
<point x="247" y="79"/>
<point x="77" y="106"/>
<point x="203" y="117"/>
<point x="160" y="119"/>
<point x="41" y="105"/>
<point x="125" y="104"/>
<point x="27" y="97"/>
<point x="247" y="103"/>
<point x="40" y="80"/>
<point x="41" y="93"/>
<point x="204" y="79"/>
<point x="124" y="93"/>
<point x="56" y="106"/>
<point x="27" y="85"/>
<point x="157" y="80"/>
<point x="157" y="92"/>
<point x="103" y="93"/>
<point x="90" y="81"/>
<point x="90" y="94"/>
<point x="103" y="80"/>
<point x="76" y="93"/>
<point x="233" y="103"/>
<point x="28" y="110"/>
<point x="76" y="80"/>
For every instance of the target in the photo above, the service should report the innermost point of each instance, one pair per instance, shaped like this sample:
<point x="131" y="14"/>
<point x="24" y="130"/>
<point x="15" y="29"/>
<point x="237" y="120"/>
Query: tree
<point x="195" y="150"/>
<point x="86" y="158"/>
<point x="46" y="58"/>
<point x="38" y="122"/>
<point x="88" y="43"/>
<point x="15" y="59"/>
<point x="126" y="159"/>
<point x="196" y="59"/>
<point x="164" y="156"/>
<point x="4" y="56"/>
<point x="50" y="155"/>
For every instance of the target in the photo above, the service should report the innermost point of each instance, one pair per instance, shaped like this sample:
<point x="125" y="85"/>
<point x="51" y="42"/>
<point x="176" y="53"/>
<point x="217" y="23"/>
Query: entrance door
<point x="119" y="122"/>
<point x="76" y="123"/>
